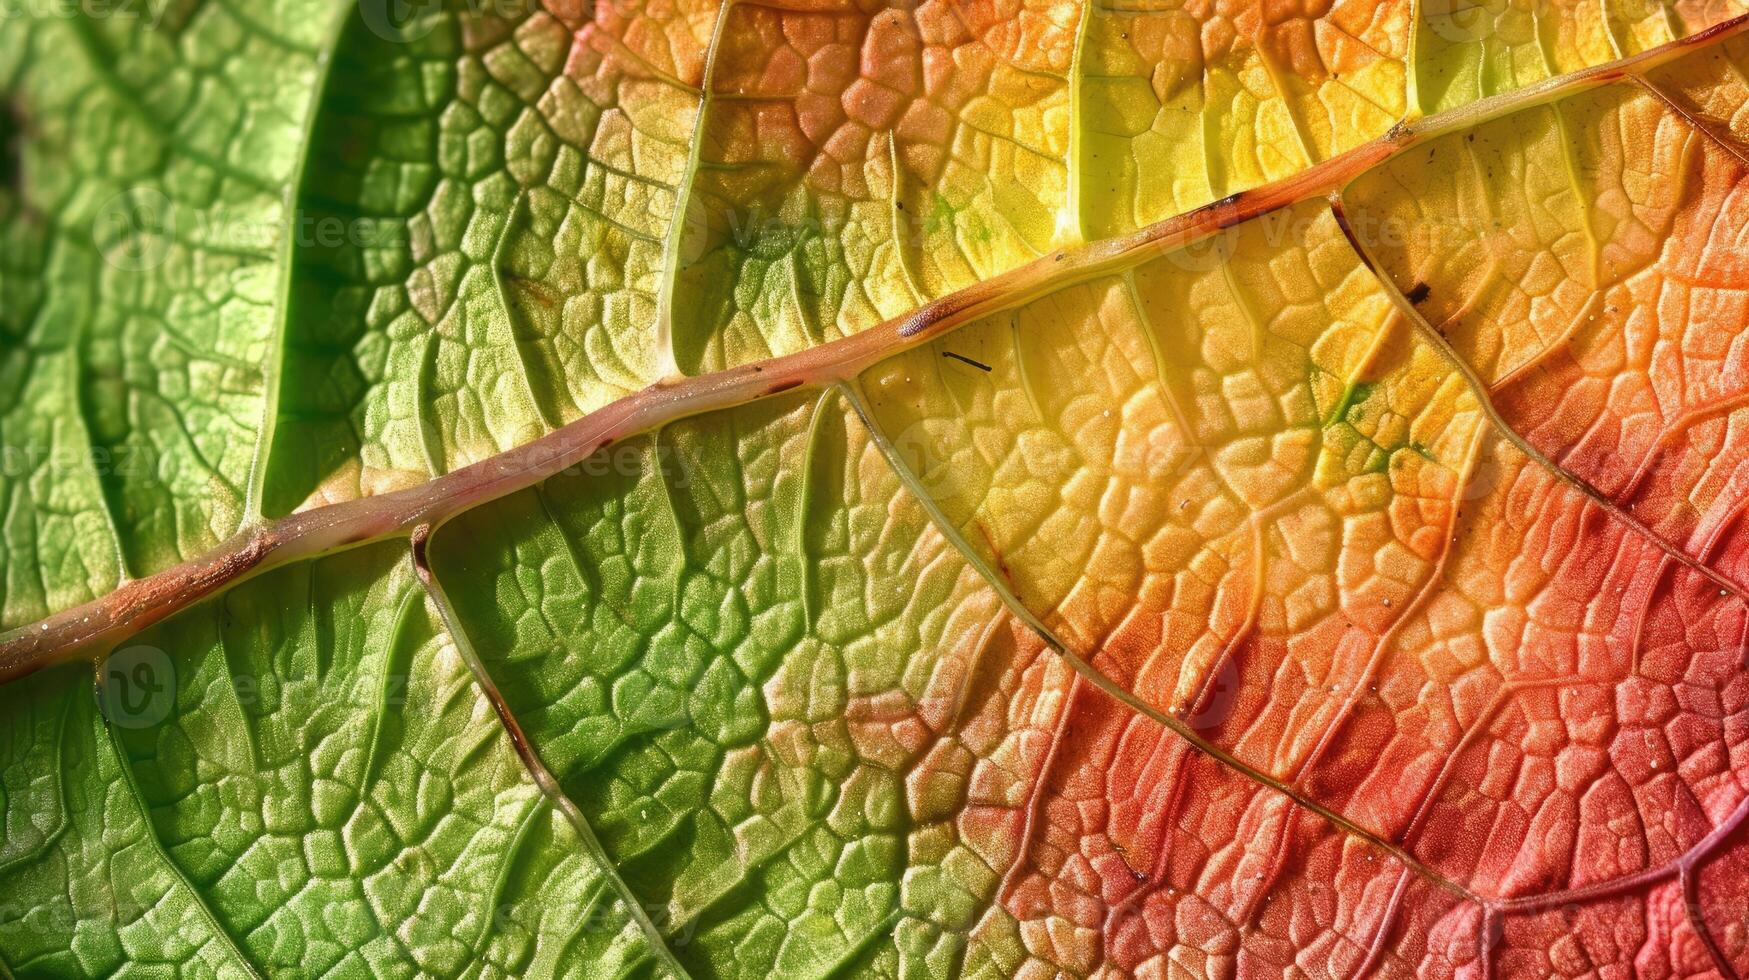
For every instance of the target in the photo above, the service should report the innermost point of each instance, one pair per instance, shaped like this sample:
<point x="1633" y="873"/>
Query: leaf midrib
<point x="94" y="627"/>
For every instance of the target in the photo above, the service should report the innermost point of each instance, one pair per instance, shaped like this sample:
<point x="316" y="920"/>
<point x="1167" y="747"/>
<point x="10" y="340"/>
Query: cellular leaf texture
<point x="849" y="488"/>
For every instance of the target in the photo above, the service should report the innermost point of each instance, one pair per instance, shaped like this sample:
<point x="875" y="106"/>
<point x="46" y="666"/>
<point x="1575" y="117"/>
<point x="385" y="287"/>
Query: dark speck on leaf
<point x="11" y="145"/>
<point x="1417" y="293"/>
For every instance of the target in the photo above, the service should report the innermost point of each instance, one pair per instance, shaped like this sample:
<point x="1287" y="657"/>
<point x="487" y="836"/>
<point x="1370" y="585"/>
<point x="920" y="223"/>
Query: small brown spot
<point x="996" y="554"/>
<point x="1417" y="293"/>
<point x="923" y="319"/>
<point x="1238" y="216"/>
<point x="537" y="291"/>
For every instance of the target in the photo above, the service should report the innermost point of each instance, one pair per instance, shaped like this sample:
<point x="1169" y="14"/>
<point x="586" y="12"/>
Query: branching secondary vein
<point x="95" y="627"/>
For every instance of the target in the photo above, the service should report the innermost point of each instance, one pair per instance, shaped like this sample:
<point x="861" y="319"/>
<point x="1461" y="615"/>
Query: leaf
<point x="147" y="159"/>
<point x="991" y="489"/>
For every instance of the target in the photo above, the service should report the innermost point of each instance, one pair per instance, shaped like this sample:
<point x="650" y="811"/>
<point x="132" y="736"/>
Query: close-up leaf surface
<point x="989" y="488"/>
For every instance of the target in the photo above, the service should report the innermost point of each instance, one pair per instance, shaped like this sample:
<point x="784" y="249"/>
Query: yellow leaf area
<point x="627" y="191"/>
<point x="859" y="159"/>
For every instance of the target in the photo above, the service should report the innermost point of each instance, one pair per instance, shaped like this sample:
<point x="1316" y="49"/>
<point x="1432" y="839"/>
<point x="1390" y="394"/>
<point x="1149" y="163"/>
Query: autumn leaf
<point x="995" y="488"/>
